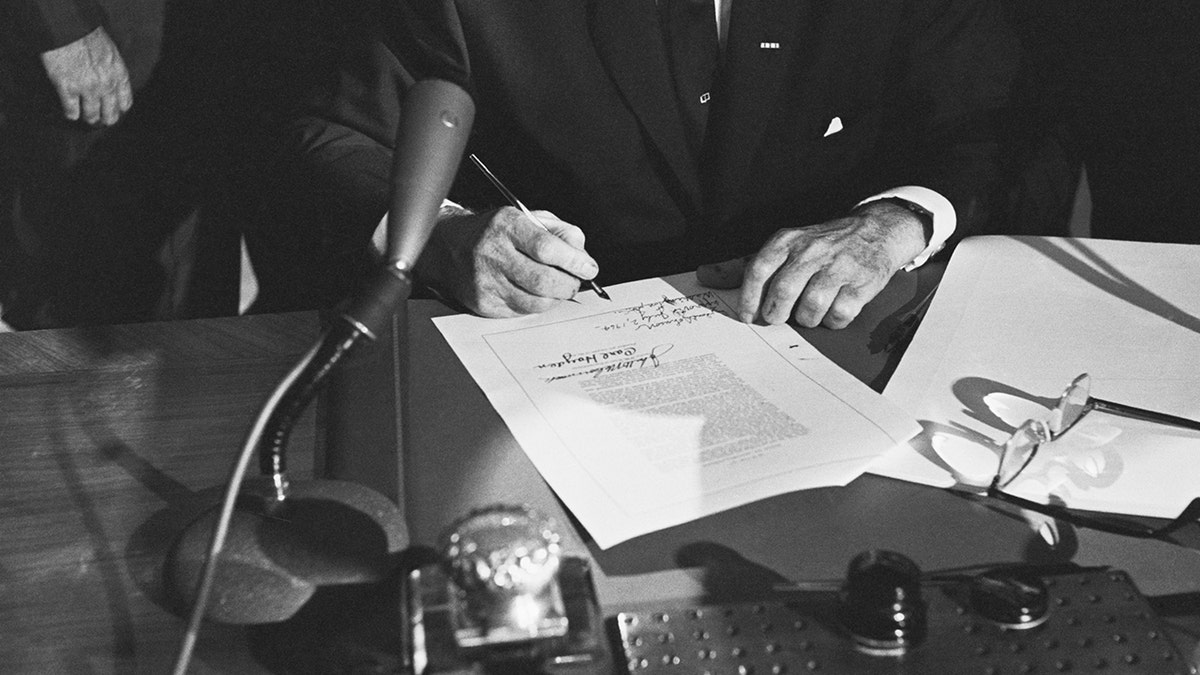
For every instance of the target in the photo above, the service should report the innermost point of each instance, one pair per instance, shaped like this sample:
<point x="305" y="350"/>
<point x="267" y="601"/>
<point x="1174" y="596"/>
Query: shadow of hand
<point x="726" y="576"/>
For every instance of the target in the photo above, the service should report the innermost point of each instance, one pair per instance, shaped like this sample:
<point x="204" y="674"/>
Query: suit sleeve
<point x="386" y="48"/>
<point x="42" y="25"/>
<point x="962" y="59"/>
<point x="427" y="37"/>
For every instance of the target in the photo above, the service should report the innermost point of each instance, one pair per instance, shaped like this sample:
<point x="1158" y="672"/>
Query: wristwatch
<point x="935" y="212"/>
<point x="919" y="211"/>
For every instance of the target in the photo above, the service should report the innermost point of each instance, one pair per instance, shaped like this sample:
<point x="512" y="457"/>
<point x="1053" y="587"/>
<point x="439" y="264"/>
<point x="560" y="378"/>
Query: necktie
<point x="690" y="33"/>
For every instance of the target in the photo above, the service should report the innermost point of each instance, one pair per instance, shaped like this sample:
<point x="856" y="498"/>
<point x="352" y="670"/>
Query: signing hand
<point x="90" y="78"/>
<point x="500" y="264"/>
<point x="823" y="274"/>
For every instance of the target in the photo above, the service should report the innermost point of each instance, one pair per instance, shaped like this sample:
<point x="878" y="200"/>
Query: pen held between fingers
<point x="512" y="199"/>
<point x="589" y="282"/>
<point x="571" y="260"/>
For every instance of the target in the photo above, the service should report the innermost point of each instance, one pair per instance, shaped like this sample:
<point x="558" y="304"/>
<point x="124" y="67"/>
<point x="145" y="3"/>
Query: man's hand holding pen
<point x="501" y="264"/>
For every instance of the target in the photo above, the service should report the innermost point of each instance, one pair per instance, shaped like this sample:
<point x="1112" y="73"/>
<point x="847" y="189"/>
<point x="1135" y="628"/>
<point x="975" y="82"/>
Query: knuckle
<point x="769" y="311"/>
<point x="529" y="304"/>
<point x="547" y="283"/>
<point x="542" y="247"/>
<point x="807" y="317"/>
<point x="789" y="285"/>
<point x="763" y="265"/>
<point x="492" y="250"/>
<point x="533" y="282"/>
<point x="506" y="218"/>
<point x="849" y="268"/>
<point x="572" y="234"/>
<point x="840" y="315"/>
<point x="784" y="236"/>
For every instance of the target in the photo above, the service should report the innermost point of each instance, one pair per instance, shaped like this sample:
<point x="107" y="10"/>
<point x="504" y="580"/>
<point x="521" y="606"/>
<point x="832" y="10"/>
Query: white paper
<point x="1014" y="321"/>
<point x="659" y="407"/>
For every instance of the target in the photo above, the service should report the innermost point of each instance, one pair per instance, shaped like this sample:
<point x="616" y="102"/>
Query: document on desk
<point x="1015" y="319"/>
<point x="659" y="407"/>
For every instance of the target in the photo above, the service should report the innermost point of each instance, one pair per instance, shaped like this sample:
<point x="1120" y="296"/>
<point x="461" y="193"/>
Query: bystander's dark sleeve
<point x="42" y="25"/>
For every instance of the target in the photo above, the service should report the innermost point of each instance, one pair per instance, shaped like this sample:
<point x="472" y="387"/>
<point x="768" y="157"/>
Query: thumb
<point x="722" y="275"/>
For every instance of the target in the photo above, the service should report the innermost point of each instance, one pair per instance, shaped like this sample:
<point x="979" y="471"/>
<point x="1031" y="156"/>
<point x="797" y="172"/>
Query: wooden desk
<point x="108" y="435"/>
<point x="453" y="466"/>
<point x="108" y="438"/>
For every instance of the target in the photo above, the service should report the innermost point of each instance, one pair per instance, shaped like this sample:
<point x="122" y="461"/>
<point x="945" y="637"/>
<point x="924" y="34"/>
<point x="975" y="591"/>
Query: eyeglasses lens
<point x="1071" y="405"/>
<point x="1020" y="449"/>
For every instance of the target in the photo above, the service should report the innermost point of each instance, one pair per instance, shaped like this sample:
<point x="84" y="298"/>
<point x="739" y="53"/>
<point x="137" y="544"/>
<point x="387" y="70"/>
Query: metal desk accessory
<point x="887" y="618"/>
<point x="502" y="598"/>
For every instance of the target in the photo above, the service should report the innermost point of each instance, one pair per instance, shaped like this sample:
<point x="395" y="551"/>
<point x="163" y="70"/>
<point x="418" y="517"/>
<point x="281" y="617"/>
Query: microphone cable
<point x="275" y="420"/>
<point x="221" y="530"/>
<point x="430" y="142"/>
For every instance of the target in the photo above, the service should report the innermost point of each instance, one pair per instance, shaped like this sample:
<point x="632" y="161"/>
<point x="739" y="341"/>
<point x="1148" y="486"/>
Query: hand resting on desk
<point x="499" y="264"/>
<point x="821" y="274"/>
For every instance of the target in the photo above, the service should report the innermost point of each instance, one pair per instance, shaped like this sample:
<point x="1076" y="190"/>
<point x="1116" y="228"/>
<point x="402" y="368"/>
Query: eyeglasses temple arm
<point x="1142" y="413"/>
<point x="1113" y="525"/>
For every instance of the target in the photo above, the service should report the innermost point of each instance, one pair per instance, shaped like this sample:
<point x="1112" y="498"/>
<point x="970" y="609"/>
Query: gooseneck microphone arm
<point x="436" y="118"/>
<point x="365" y="318"/>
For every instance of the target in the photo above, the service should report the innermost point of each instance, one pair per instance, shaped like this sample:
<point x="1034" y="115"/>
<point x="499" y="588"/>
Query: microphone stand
<point x="366" y="319"/>
<point x="436" y="119"/>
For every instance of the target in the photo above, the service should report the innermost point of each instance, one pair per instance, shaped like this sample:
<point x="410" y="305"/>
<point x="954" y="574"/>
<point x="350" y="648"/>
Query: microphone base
<point x="276" y="555"/>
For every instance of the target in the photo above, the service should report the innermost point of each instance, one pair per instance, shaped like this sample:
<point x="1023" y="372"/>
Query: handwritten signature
<point x="633" y="361"/>
<point x="678" y="311"/>
<point x="599" y="356"/>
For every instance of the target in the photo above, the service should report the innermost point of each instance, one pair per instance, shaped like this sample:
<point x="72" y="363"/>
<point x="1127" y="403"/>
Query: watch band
<point x="935" y="211"/>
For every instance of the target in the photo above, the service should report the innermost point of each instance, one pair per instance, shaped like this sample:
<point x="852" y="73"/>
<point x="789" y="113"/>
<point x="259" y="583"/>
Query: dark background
<point x="143" y="221"/>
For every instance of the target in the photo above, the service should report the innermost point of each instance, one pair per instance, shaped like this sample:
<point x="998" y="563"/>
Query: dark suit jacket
<point x="41" y="25"/>
<point x="576" y="112"/>
<point x="30" y="27"/>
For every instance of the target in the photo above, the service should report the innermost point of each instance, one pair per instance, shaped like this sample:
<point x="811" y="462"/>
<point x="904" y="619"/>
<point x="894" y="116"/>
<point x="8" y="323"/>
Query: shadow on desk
<point x="1078" y="256"/>
<point x="112" y="437"/>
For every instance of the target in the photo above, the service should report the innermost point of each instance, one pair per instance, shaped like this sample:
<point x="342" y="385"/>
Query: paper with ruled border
<point x="659" y="407"/>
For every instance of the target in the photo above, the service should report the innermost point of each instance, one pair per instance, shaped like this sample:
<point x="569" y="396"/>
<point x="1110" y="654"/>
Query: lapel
<point x="629" y="41"/>
<point x="766" y="39"/>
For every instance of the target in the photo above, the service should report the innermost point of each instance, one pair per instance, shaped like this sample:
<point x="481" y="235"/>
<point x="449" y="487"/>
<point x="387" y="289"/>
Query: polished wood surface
<point x="111" y="439"/>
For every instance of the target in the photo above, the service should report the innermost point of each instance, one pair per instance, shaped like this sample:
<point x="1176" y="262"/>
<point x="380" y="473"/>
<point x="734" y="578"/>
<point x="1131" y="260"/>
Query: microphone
<point x="286" y="540"/>
<point x="438" y="117"/>
<point x="435" y="121"/>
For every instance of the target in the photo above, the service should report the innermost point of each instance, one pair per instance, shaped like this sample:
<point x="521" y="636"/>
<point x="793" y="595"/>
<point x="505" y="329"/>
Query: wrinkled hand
<point x="822" y="274"/>
<point x="500" y="264"/>
<point x="90" y="78"/>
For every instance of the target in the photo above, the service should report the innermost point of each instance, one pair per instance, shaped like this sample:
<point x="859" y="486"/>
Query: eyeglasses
<point x="1074" y="403"/>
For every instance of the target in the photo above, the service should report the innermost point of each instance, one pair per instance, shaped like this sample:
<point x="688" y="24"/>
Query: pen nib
<point x="517" y="203"/>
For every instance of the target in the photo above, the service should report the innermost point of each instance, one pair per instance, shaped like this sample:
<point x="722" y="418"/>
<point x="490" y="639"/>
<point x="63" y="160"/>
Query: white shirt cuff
<point x="944" y="218"/>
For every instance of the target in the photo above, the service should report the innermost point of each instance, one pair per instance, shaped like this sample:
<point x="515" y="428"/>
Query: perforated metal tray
<point x="1098" y="623"/>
